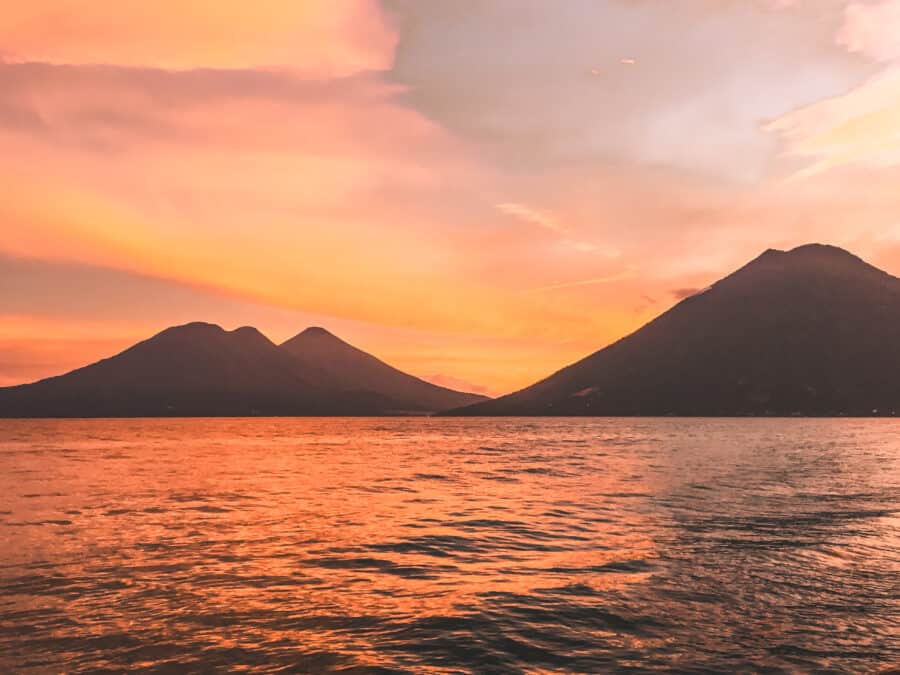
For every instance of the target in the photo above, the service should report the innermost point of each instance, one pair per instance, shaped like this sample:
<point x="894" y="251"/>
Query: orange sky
<point x="477" y="192"/>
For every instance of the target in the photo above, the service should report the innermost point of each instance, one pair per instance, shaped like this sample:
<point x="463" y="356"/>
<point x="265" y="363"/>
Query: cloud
<point x="862" y="126"/>
<point x="326" y="196"/>
<point x="269" y="185"/>
<point x="589" y="247"/>
<point x="693" y="99"/>
<point x="629" y="273"/>
<point x="533" y="216"/>
<point x="332" y="38"/>
<point x="551" y="224"/>
<point x="118" y="109"/>
<point x="872" y="29"/>
<point x="682" y="293"/>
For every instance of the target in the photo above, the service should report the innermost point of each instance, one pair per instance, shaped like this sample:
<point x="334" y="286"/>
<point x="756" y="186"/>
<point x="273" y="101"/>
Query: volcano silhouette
<point x="811" y="331"/>
<point x="199" y="369"/>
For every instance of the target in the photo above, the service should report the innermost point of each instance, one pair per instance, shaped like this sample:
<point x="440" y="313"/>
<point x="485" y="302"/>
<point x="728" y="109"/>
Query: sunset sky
<point x="477" y="191"/>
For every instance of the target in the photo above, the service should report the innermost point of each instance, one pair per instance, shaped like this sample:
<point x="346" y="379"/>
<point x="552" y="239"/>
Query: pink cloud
<point x="872" y="29"/>
<point x="333" y="38"/>
<point x="861" y="126"/>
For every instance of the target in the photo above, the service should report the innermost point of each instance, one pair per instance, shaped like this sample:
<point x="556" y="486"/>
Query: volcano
<point x="811" y="331"/>
<point x="200" y="370"/>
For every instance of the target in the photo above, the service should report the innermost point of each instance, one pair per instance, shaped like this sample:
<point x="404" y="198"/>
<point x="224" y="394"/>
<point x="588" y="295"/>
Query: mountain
<point x="351" y="369"/>
<point x="199" y="369"/>
<point x="811" y="331"/>
<point x="196" y="369"/>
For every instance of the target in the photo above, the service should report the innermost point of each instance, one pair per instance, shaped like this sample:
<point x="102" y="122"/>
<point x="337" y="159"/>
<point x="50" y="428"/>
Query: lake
<point x="425" y="545"/>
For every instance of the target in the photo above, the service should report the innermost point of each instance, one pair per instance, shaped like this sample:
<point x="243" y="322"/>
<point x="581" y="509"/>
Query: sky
<point x="477" y="191"/>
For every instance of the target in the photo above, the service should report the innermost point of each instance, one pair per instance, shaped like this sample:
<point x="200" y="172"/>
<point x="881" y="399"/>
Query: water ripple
<point x="450" y="546"/>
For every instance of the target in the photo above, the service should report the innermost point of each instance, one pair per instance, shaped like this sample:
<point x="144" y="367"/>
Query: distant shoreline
<point x="467" y="417"/>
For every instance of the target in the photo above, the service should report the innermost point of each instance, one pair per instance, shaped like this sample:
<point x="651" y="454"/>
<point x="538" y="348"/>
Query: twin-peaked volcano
<point x="199" y="369"/>
<point x="812" y="331"/>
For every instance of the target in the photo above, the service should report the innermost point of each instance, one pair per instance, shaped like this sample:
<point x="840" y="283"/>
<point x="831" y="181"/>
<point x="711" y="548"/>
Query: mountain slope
<point x="196" y="369"/>
<point x="812" y="331"/>
<point x="349" y="369"/>
<point x="199" y="369"/>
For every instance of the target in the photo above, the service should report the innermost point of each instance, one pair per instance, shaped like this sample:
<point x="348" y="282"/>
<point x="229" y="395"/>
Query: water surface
<point x="449" y="545"/>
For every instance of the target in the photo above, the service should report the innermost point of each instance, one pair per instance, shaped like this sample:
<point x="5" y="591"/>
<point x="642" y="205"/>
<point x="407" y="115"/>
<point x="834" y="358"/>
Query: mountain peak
<point x="202" y="330"/>
<point x="349" y="368"/>
<point x="208" y="336"/>
<point x="250" y="335"/>
<point x="812" y="251"/>
<point x="316" y="330"/>
<point x="246" y="330"/>
<point x="199" y="326"/>
<point x="199" y="329"/>
<point x="314" y="335"/>
<point x="806" y="261"/>
<point x="823" y="251"/>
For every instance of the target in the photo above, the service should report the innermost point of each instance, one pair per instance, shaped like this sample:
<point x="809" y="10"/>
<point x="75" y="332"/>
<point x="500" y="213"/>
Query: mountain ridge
<point x="778" y="336"/>
<point x="201" y="369"/>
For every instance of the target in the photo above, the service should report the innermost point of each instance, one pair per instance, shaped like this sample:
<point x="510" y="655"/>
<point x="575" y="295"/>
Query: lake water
<point x="450" y="545"/>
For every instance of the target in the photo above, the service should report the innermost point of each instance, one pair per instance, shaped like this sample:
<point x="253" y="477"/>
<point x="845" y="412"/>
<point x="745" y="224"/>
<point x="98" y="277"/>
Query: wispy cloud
<point x="682" y="293"/>
<point x="596" y="249"/>
<point x="629" y="273"/>
<point x="551" y="224"/>
<point x="533" y="216"/>
<point x="862" y="126"/>
<point x="872" y="29"/>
